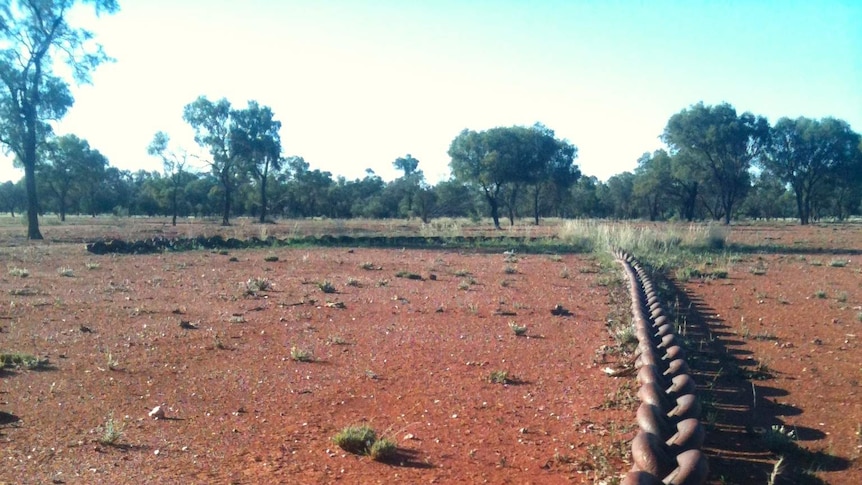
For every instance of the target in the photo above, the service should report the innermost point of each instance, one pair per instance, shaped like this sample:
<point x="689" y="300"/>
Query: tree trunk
<point x="536" y="205"/>
<point x="32" y="200"/>
<point x="263" y="200"/>
<point x="226" y="212"/>
<point x="174" y="206"/>
<point x="495" y="211"/>
<point x="801" y="209"/>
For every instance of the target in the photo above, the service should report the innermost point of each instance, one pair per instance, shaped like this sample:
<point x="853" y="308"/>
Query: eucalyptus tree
<point x="652" y="180"/>
<point x="34" y="37"/>
<point x="502" y="161"/>
<point x="255" y="136"/>
<point x="174" y="163"/>
<point x="723" y="143"/>
<point x="212" y="122"/>
<point x="816" y="158"/>
<point x="69" y="166"/>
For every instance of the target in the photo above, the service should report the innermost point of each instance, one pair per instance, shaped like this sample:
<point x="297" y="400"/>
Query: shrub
<point x="383" y="449"/>
<point x="500" y="377"/>
<point x="355" y="439"/>
<point x="518" y="330"/>
<point x="300" y="355"/>
<point x="19" y="272"/>
<point x="326" y="286"/>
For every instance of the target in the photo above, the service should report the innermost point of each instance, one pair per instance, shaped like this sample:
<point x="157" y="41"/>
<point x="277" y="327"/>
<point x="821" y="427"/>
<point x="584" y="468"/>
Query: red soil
<point x="415" y="363"/>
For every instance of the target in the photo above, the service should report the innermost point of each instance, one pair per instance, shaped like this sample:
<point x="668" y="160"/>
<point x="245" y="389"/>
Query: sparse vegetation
<point x="270" y="258"/>
<point x="362" y="440"/>
<point x="66" y="272"/>
<point x="326" y="286"/>
<point x="253" y="286"/>
<point x="838" y="263"/>
<point x="820" y="294"/>
<point x="300" y="355"/>
<point x="519" y="330"/>
<point x="408" y="275"/>
<point x="500" y="377"/>
<point x="19" y="272"/>
<point x="111" y="431"/>
<point x="91" y="265"/>
<point x="20" y="360"/>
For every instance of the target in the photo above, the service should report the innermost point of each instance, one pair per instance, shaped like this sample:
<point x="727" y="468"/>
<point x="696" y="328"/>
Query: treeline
<point x="718" y="166"/>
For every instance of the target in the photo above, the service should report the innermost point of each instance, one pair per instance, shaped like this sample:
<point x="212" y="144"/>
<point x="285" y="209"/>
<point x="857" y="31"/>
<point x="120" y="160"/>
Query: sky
<point x="359" y="83"/>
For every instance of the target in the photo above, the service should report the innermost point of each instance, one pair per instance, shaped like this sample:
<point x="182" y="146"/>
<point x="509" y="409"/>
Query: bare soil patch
<point x="407" y="344"/>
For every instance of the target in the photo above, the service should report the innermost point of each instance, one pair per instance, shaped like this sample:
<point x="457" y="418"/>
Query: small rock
<point x="157" y="413"/>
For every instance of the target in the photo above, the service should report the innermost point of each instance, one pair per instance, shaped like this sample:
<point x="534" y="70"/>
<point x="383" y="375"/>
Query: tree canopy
<point x="724" y="144"/>
<point x="33" y="36"/>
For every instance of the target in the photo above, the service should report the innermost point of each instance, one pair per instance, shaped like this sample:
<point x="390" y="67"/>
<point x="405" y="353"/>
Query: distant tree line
<point x="718" y="166"/>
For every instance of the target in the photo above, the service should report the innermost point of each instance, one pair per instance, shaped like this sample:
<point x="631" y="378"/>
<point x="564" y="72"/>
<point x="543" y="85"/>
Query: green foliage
<point x="326" y="286"/>
<point x="500" y="160"/>
<point x="356" y="439"/>
<point x="500" y="377"/>
<point x="519" y="330"/>
<point x="27" y="361"/>
<point x="811" y="155"/>
<point x="112" y="431"/>
<point x="36" y="36"/>
<point x="722" y="145"/>
<point x="408" y="275"/>
<point x="19" y="272"/>
<point x="301" y="355"/>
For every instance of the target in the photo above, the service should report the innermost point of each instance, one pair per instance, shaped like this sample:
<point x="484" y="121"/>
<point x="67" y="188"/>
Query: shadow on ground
<point x="745" y="434"/>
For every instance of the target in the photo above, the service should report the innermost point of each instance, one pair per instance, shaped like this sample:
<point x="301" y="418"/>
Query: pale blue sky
<point x="357" y="84"/>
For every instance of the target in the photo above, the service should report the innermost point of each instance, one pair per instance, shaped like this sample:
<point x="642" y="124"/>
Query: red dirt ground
<point x="414" y="364"/>
<point x="415" y="360"/>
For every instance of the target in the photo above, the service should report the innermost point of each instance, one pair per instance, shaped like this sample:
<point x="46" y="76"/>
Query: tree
<point x="652" y="182"/>
<point x="255" y="136"/>
<point x="406" y="164"/>
<point x="174" y="165"/>
<point x="32" y="33"/>
<point x="808" y="154"/>
<point x="11" y="197"/>
<point x="69" y="164"/>
<point x="724" y="143"/>
<point x="212" y="124"/>
<point x="500" y="162"/>
<point x="552" y="167"/>
<point x="474" y="162"/>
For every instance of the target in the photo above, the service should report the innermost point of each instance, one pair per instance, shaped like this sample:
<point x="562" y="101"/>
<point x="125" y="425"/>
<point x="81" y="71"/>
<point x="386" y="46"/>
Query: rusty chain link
<point x="667" y="447"/>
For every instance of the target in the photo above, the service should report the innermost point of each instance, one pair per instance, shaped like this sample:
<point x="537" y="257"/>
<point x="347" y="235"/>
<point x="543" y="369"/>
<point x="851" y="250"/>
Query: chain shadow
<point x="745" y="432"/>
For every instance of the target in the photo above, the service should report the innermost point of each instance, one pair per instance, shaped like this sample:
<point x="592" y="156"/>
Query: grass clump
<point x="500" y="377"/>
<point x="270" y="258"/>
<point x="92" y="265"/>
<point x="383" y="449"/>
<point x="67" y="272"/>
<point x="254" y="286"/>
<point x="300" y="355"/>
<point x="362" y="440"/>
<point x="518" y="330"/>
<point x="19" y="360"/>
<point x="326" y="286"/>
<point x="820" y="294"/>
<point x="408" y="275"/>
<point x="112" y="431"/>
<point x="19" y="272"/>
<point x="779" y="439"/>
<point x="838" y="263"/>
